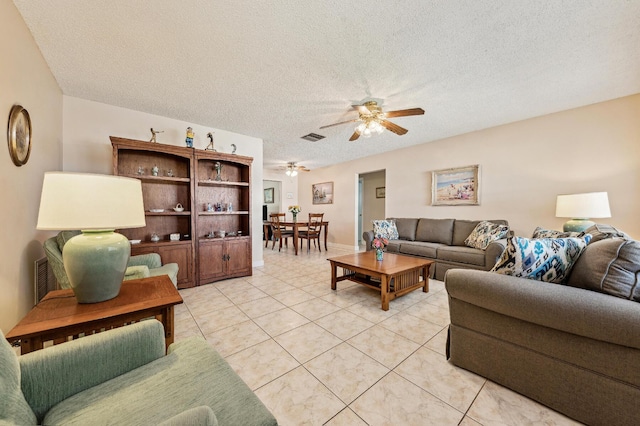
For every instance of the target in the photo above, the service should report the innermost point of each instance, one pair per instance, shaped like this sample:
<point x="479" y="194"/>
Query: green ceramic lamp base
<point x="577" y="225"/>
<point x="95" y="262"/>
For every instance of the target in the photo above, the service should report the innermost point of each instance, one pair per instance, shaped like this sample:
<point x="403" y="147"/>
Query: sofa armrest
<point x="53" y="374"/>
<point x="581" y="312"/>
<point x="202" y="415"/>
<point x="367" y="236"/>
<point x="136" y="272"/>
<point x="493" y="252"/>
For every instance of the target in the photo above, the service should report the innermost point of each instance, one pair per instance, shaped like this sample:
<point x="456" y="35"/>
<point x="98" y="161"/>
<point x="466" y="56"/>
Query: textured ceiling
<point x="280" y="69"/>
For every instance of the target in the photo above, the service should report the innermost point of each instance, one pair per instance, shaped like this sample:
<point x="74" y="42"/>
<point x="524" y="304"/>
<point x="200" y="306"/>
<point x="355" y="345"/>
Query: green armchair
<point x="123" y="377"/>
<point x="141" y="266"/>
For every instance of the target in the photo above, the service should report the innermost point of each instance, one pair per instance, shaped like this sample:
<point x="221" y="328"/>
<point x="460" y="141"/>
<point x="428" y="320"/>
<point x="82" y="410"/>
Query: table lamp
<point x="580" y="208"/>
<point x="95" y="261"/>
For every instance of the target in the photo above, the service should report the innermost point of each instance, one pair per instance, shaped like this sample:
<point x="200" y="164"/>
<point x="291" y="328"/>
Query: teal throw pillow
<point x="545" y="259"/>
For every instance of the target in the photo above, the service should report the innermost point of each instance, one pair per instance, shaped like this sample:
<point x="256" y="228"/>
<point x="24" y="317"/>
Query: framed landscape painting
<point x="455" y="187"/>
<point x="322" y="193"/>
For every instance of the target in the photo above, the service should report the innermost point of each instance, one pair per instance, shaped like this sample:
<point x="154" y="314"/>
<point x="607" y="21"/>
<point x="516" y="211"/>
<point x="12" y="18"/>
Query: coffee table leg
<point x="384" y="290"/>
<point x="425" y="277"/>
<point x="334" y="274"/>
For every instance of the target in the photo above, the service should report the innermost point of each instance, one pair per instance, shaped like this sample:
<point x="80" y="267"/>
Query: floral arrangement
<point x="379" y="243"/>
<point x="295" y="209"/>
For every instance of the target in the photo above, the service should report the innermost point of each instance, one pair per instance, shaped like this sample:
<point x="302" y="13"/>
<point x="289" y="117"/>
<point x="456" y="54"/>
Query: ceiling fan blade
<point x="354" y="136"/>
<point x="404" y="112"/>
<point x="393" y="127"/>
<point x="337" y="124"/>
<point x="362" y="109"/>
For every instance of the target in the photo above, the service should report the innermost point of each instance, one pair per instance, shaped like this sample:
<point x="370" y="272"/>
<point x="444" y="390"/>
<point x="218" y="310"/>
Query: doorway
<point x="371" y="201"/>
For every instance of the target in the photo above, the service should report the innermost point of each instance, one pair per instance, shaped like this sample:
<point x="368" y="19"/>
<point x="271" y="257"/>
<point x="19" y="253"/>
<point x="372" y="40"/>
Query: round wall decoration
<point x="19" y="135"/>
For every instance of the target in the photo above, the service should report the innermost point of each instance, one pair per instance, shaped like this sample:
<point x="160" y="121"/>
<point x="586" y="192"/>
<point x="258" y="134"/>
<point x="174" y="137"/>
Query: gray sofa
<point x="441" y="240"/>
<point x="574" y="347"/>
<point x="123" y="377"/>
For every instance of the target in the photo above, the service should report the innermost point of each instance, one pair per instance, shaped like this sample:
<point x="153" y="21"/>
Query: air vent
<point x="313" y="137"/>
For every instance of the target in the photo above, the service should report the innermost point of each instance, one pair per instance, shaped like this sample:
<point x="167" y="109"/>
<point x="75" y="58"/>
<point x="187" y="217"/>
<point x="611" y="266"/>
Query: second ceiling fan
<point x="373" y="120"/>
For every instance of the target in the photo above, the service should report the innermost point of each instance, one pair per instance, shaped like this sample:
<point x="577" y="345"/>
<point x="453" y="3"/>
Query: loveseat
<point x="573" y="346"/>
<point x="441" y="240"/>
<point x="122" y="377"/>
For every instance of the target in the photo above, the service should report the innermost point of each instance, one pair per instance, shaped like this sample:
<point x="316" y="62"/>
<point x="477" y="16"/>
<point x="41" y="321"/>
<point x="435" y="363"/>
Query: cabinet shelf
<point x="147" y="178"/>
<point x="241" y="212"/>
<point x="167" y="213"/>
<point x="221" y="183"/>
<point x="147" y="244"/>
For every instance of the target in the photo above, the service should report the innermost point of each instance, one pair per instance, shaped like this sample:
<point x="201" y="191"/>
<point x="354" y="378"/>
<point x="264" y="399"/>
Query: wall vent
<point x="45" y="280"/>
<point x="313" y="137"/>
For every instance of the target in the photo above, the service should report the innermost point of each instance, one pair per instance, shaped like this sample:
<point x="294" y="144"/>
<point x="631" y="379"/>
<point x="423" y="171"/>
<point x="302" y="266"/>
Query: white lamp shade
<point x="583" y="206"/>
<point x="86" y="201"/>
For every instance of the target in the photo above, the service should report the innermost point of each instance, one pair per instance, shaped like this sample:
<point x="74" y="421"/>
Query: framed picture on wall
<point x="456" y="186"/>
<point x="268" y="196"/>
<point x="322" y="193"/>
<point x="381" y="192"/>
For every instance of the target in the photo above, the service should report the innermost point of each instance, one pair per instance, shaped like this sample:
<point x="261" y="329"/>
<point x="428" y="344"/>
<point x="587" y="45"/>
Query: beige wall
<point x="523" y="167"/>
<point x="87" y="148"/>
<point x="25" y="79"/>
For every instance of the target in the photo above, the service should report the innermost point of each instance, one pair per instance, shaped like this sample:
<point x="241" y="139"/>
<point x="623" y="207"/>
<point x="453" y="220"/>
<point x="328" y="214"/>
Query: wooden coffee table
<point x="59" y="316"/>
<point x="394" y="276"/>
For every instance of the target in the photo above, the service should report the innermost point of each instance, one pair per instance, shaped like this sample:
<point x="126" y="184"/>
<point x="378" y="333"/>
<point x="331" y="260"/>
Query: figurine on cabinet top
<point x="153" y="135"/>
<point x="189" y="140"/>
<point x="210" y="146"/>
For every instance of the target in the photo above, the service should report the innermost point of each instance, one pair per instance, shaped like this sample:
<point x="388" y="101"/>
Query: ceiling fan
<point x="373" y="120"/>
<point x="292" y="169"/>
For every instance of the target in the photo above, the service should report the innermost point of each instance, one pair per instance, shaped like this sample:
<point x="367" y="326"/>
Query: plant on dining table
<point x="295" y="209"/>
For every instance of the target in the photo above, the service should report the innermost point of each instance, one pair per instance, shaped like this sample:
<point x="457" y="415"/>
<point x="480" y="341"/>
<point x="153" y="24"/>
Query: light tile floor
<point x="316" y="356"/>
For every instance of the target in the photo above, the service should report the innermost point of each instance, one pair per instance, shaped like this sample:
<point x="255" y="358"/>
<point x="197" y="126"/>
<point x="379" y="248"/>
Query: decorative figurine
<point x="189" y="140"/>
<point x="218" y="168"/>
<point x="153" y="135"/>
<point x="233" y="148"/>
<point x="154" y="170"/>
<point x="210" y="146"/>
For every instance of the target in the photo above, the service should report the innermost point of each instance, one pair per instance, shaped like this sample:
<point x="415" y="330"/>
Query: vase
<point x="379" y="254"/>
<point x="295" y="216"/>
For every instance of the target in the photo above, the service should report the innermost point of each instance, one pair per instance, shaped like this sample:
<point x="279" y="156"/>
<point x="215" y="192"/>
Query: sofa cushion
<point x="419" y="248"/>
<point x="406" y="228"/>
<point x="385" y="229"/>
<point x="547" y="259"/>
<point x="484" y="233"/>
<point x="467" y="255"/>
<point x="461" y="230"/>
<point x="435" y="230"/>
<point x="394" y="246"/>
<point x="610" y="266"/>
<point x="191" y="375"/>
<point x="13" y="406"/>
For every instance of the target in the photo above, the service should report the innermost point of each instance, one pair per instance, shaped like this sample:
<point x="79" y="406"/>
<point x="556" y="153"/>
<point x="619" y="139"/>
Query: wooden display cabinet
<point x="173" y="185"/>
<point x="214" y="199"/>
<point x="223" y="204"/>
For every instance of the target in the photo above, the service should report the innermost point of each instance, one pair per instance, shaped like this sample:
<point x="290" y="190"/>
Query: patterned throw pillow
<point x="484" y="233"/>
<point x="385" y="229"/>
<point x="546" y="259"/>
<point x="552" y="233"/>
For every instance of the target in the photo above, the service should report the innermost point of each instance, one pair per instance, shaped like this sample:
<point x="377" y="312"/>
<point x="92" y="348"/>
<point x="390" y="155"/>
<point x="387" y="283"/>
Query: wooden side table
<point x="59" y="316"/>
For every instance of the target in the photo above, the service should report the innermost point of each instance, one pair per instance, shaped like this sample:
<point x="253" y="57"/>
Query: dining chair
<point x="313" y="230"/>
<point x="279" y="231"/>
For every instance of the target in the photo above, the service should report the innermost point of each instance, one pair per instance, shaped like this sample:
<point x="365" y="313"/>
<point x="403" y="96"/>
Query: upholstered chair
<point x="141" y="266"/>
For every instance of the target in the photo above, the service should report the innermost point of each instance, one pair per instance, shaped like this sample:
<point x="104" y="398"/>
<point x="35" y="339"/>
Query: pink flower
<point x="379" y="243"/>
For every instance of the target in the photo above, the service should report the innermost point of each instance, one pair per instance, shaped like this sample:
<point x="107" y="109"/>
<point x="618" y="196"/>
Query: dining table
<point x="296" y="225"/>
